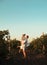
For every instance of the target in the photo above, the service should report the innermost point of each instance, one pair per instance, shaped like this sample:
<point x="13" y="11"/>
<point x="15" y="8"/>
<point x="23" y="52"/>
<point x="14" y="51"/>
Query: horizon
<point x="23" y="16"/>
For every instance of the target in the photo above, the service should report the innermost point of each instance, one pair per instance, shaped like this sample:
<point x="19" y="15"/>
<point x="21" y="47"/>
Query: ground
<point x="38" y="59"/>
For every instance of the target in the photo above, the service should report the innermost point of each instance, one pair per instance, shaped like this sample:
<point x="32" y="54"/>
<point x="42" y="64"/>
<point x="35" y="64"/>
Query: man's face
<point x="25" y="36"/>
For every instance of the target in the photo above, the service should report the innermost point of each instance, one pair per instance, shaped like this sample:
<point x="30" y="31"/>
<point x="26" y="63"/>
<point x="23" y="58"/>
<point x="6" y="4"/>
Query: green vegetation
<point x="9" y="48"/>
<point x="7" y="45"/>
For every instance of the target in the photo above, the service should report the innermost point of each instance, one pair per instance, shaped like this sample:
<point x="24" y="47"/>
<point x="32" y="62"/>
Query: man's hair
<point x="27" y="36"/>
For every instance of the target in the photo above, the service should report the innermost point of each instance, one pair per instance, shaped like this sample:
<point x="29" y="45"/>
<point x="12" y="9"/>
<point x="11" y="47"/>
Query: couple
<point x="24" y="44"/>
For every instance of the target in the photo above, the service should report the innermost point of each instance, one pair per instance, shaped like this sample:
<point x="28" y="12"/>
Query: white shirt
<point x="22" y="44"/>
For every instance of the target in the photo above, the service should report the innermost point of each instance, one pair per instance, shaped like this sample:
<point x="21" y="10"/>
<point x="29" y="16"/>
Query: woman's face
<point x="23" y="37"/>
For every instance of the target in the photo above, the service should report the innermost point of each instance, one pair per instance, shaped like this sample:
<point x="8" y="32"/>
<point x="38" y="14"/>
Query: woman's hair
<point x="24" y="34"/>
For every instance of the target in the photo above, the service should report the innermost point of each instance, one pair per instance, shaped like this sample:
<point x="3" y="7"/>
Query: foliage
<point x="9" y="46"/>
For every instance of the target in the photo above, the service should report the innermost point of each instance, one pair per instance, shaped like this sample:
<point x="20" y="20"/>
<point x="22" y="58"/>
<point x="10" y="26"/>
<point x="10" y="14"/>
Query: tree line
<point x="8" y="47"/>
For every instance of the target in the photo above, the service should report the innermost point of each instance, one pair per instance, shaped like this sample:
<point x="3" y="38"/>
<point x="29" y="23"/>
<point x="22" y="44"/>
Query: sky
<point x="23" y="16"/>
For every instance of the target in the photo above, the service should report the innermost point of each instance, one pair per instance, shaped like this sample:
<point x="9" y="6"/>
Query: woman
<point x="22" y="47"/>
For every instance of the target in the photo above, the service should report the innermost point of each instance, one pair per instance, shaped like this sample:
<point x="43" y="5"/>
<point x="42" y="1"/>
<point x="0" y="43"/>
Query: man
<point x="26" y="42"/>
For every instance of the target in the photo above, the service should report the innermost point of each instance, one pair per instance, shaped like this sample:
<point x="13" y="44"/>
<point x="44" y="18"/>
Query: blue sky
<point x="23" y="16"/>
